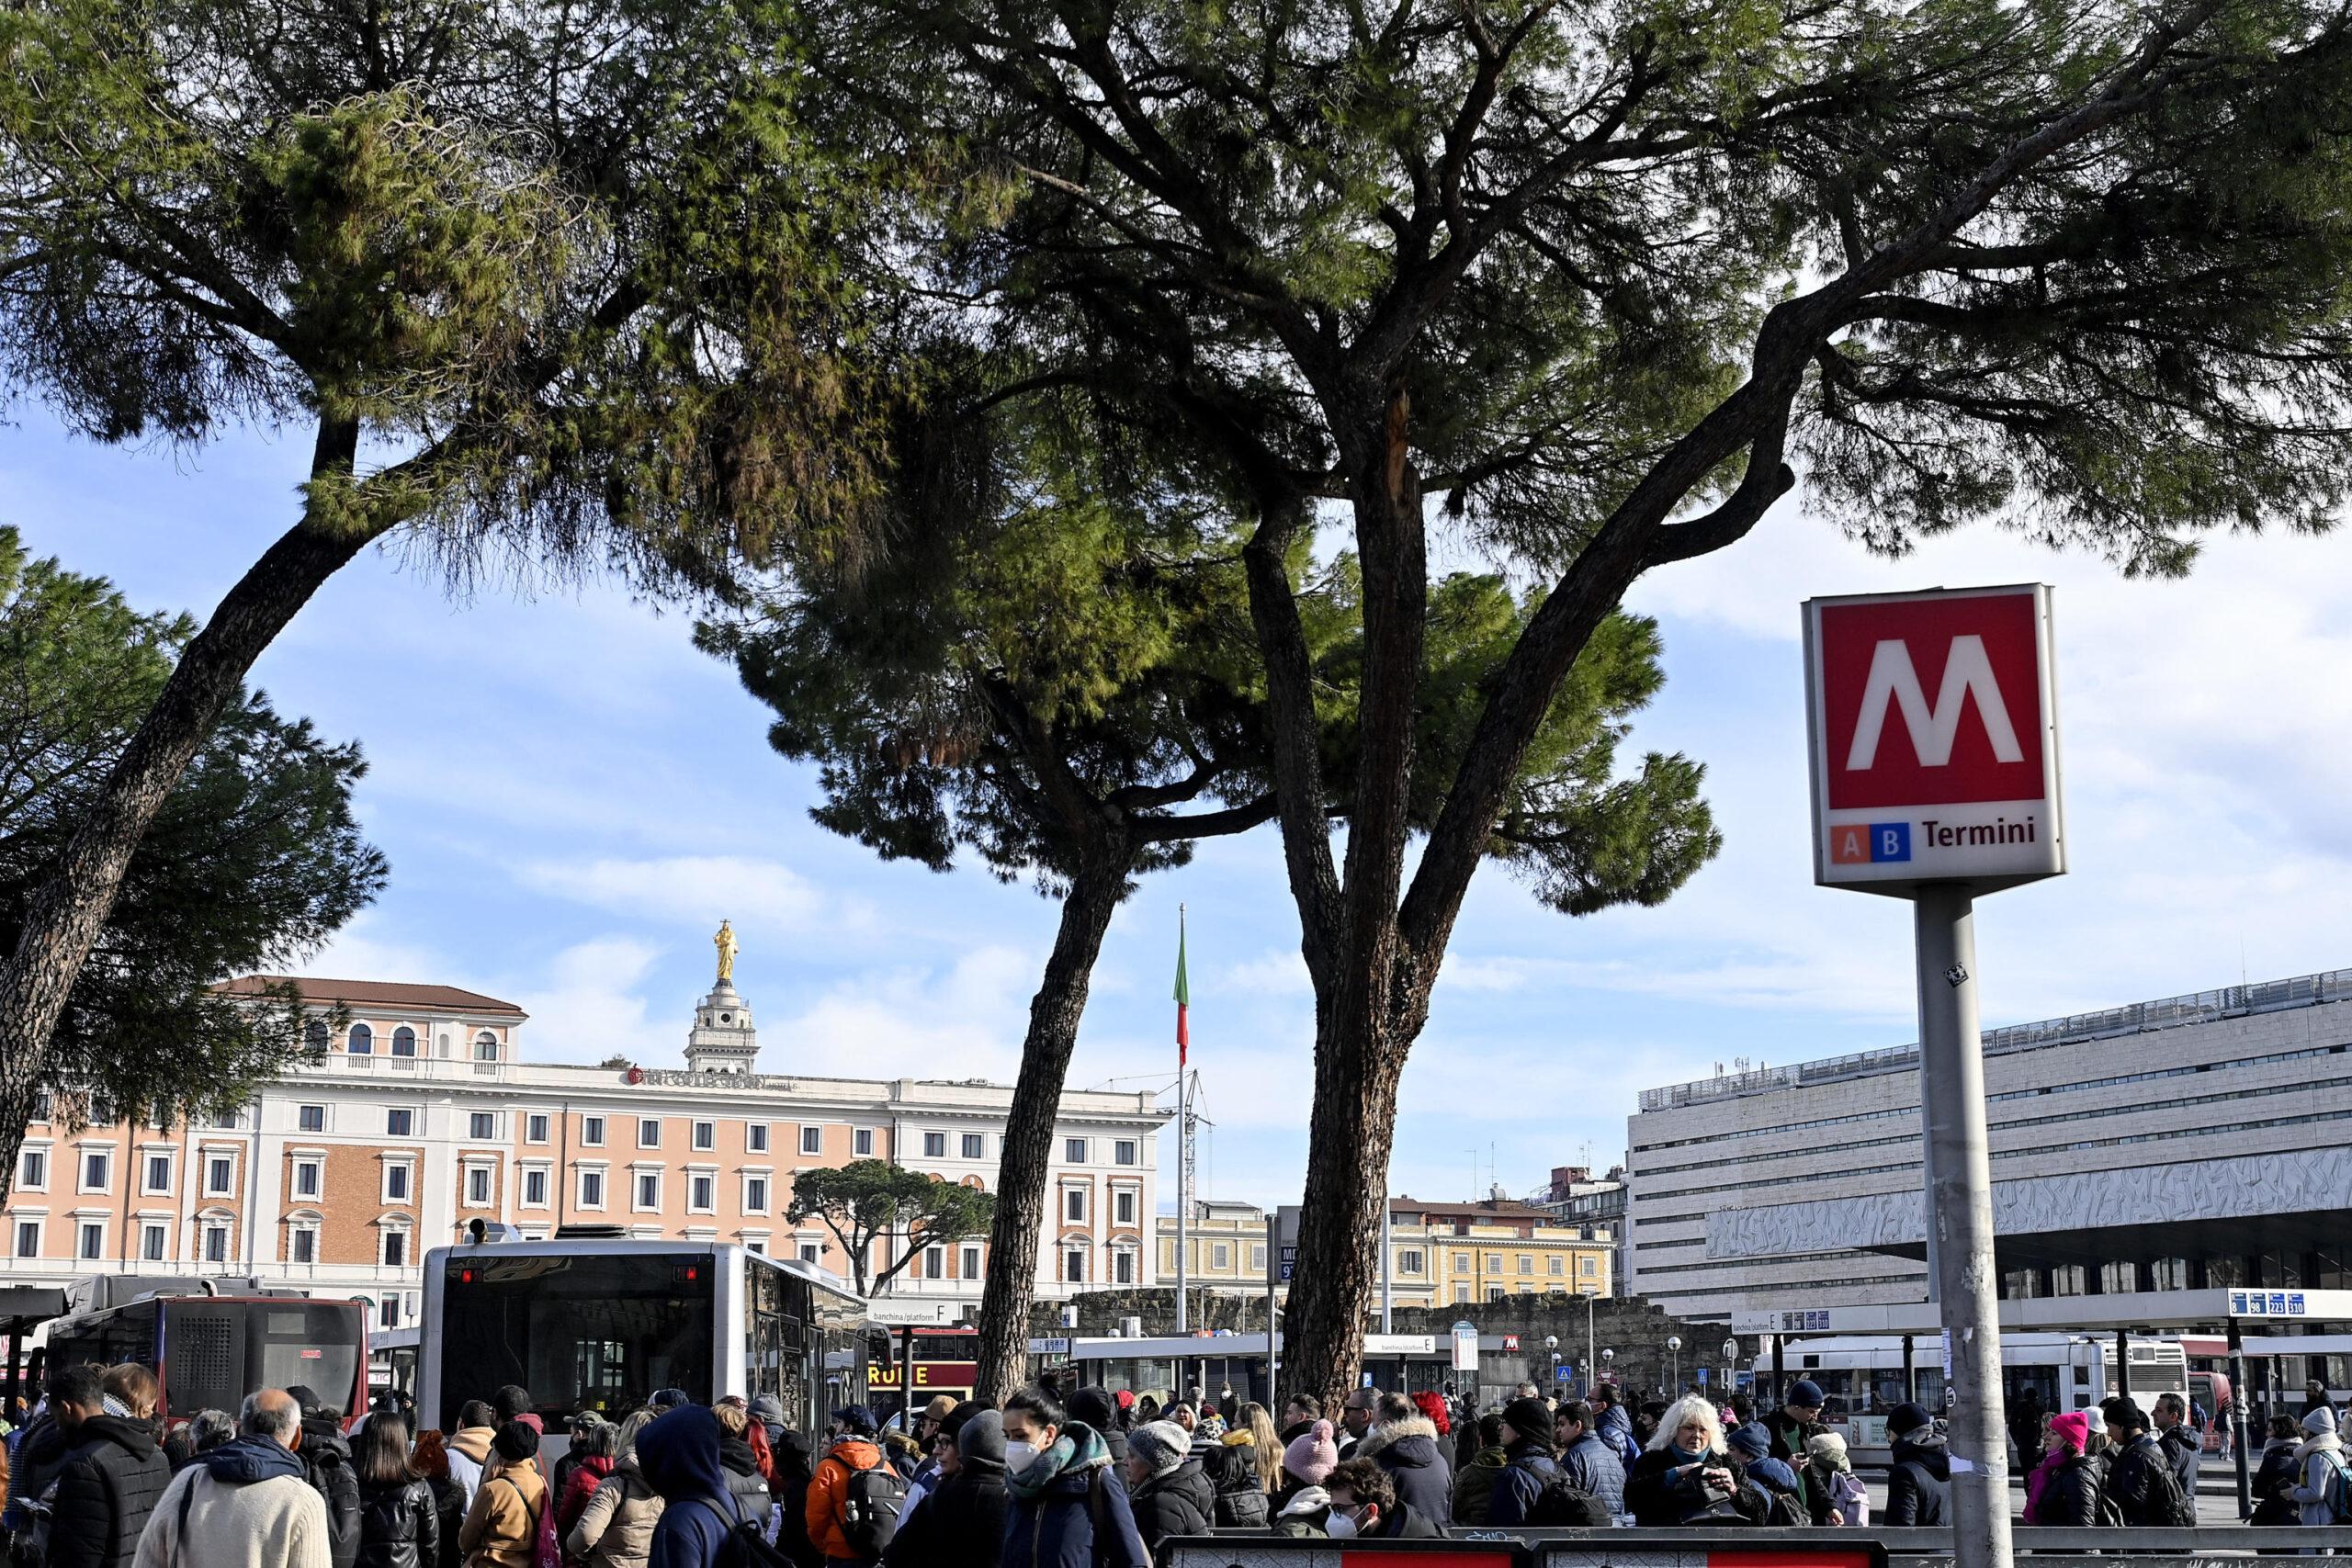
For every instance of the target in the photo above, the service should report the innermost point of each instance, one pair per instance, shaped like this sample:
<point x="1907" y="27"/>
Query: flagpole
<point x="1183" y="1133"/>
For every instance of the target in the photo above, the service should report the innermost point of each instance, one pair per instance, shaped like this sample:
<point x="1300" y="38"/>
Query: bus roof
<point x="637" y="1247"/>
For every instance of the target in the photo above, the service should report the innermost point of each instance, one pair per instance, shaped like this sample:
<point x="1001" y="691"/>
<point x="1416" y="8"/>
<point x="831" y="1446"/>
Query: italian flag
<point x="1184" y="994"/>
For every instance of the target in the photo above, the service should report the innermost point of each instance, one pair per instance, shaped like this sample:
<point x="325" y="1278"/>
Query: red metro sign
<point x="1933" y="720"/>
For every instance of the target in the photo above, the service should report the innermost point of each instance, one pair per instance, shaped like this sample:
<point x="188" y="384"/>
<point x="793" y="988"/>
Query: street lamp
<point x="1673" y="1371"/>
<point x="1552" y="1343"/>
<point x="1731" y="1365"/>
<point x="1591" y="1361"/>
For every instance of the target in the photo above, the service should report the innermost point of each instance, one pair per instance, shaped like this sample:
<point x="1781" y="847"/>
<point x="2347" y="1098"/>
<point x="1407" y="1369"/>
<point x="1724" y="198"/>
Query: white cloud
<point x="588" y="1004"/>
<point x="755" y="894"/>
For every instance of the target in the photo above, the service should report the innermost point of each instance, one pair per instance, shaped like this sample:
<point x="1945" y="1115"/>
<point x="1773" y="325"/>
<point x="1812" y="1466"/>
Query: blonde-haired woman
<point x="1688" y="1475"/>
<point x="1246" y="1469"/>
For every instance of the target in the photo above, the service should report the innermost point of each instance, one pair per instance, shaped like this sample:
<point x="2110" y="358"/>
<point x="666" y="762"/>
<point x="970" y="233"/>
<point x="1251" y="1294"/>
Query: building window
<point x="224" y="1122"/>
<point x="755" y="1137"/>
<point x="1123" y="1268"/>
<point x="1123" y="1152"/>
<point x="395" y="1250"/>
<point x="934" y="1262"/>
<point x="1462" y="1263"/>
<point x="1558" y="1265"/>
<point x="216" y="1244"/>
<point x="1220" y="1257"/>
<point x="1258" y="1258"/>
<point x="535" y="1189"/>
<point x="535" y="1127"/>
<point x="388" y="1312"/>
<point x="301" y="1244"/>
<point x="1408" y="1262"/>
<point x="315" y="1036"/>
<point x="1526" y="1264"/>
<point x="592" y="1188"/>
<point x="29" y="1238"/>
<point x="592" y="1132"/>
<point x="756" y="1194"/>
<point x="478" y="1186"/>
<point x="649" y="1132"/>
<point x="311" y="1118"/>
<point x="1123" y="1208"/>
<point x="96" y="1168"/>
<point x="649" y="1190"/>
<point x="1589" y="1266"/>
<point x="1074" y="1151"/>
<point x="151" y="1243"/>
<point x="971" y="1263"/>
<point x="935" y="1146"/>
<point x="33" y="1168"/>
<point x="701" y="1196"/>
<point x="1495" y="1292"/>
<point x="810" y="1252"/>
<point x="706" y="1136"/>
<point x="862" y="1143"/>
<point x="395" y="1183"/>
<point x="1074" y="1203"/>
<point x="41" y="1105"/>
<point x="812" y="1140"/>
<point x="973" y="1144"/>
<point x="482" y="1125"/>
<point x="1494" y="1263"/>
<point x="220" y="1177"/>
<point x="362" y="1039"/>
<point x="403" y="1041"/>
<point x="93" y="1239"/>
<point x="485" y="1046"/>
<point x="306" y="1179"/>
<point x="101" y="1111"/>
<point x="399" y="1122"/>
<point x="1074" y="1265"/>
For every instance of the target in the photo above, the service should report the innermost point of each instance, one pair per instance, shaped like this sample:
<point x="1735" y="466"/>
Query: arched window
<point x="314" y="1034"/>
<point x="485" y="1046"/>
<point x="362" y="1039"/>
<point x="403" y="1041"/>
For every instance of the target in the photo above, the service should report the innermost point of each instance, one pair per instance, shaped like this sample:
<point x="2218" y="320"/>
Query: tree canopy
<point x="869" y="1202"/>
<point x="253" y="861"/>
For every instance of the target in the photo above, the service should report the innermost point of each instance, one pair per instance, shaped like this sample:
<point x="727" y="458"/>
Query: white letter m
<point x="1967" y="671"/>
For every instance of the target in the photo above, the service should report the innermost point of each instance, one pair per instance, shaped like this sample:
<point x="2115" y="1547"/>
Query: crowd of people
<point x="1093" y="1479"/>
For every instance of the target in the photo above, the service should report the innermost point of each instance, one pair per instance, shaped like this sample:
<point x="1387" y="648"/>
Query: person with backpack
<point x="400" y="1523"/>
<point x="1918" y="1471"/>
<point x="502" y="1527"/>
<point x="742" y="1463"/>
<point x="2182" y="1449"/>
<point x="699" y="1526"/>
<point x="2141" y="1490"/>
<point x="1835" y="1493"/>
<point x="1614" y="1426"/>
<point x="1066" y="1508"/>
<point x="109" y="1479"/>
<point x="791" y="1466"/>
<point x="2324" y="1490"/>
<point x="2064" y="1488"/>
<point x="1786" y="1499"/>
<point x="2273" y="1486"/>
<point x="594" y="1449"/>
<point x="326" y="1463"/>
<point x="1587" y="1462"/>
<point x="1529" y="1468"/>
<point x="853" y="1499"/>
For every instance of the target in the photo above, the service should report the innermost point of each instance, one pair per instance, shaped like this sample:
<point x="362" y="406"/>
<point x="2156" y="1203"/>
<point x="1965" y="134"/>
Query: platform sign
<point x="1933" y="722"/>
<point x="1465" y="1346"/>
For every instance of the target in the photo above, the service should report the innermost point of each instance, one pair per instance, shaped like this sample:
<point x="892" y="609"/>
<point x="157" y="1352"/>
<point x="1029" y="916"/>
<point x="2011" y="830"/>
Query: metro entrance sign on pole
<point x="1933" y="722"/>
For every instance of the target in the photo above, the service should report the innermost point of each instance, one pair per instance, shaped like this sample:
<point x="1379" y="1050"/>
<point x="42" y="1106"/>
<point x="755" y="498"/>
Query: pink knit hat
<point x="2075" y="1426"/>
<point x="1311" y="1459"/>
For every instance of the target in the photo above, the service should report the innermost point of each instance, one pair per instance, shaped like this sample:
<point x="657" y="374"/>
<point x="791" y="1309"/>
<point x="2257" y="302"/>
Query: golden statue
<point x="724" y="942"/>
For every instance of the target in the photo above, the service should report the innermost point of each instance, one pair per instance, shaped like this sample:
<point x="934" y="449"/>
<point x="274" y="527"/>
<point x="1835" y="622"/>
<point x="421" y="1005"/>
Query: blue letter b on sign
<point x="1890" y="841"/>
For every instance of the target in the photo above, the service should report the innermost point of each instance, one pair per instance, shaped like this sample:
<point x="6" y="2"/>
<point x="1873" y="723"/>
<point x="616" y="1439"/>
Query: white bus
<point x="602" y="1324"/>
<point x="1861" y="1376"/>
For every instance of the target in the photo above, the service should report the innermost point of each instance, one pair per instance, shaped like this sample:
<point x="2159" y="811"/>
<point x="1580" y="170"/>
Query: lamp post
<point x="1731" y="1366"/>
<point x="1674" y="1364"/>
<point x="1608" y="1361"/>
<point x="1551" y="1344"/>
<point x="1591" y="1360"/>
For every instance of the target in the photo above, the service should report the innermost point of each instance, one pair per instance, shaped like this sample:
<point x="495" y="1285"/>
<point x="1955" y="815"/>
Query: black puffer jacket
<point x="1241" y="1492"/>
<point x="449" y="1513"/>
<point x="326" y="1465"/>
<point x="1918" y="1484"/>
<point x="400" y="1525"/>
<point x="1664" y="1489"/>
<point x="105" y="1489"/>
<point x="793" y="1467"/>
<point x="2070" y="1495"/>
<point x="1182" y="1502"/>
<point x="959" y="1525"/>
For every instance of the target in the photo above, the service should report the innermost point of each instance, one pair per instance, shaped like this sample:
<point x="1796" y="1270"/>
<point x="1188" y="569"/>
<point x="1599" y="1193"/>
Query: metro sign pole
<point x="1933" y="721"/>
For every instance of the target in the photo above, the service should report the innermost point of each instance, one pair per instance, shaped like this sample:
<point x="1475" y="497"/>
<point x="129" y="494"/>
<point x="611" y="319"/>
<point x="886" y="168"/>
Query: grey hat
<point x="981" y="1439"/>
<point x="1163" y="1446"/>
<point x="767" y="1409"/>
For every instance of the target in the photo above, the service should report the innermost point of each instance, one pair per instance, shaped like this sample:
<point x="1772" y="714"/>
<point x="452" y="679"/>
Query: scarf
<point x="1685" y="1456"/>
<point x="1079" y="1448"/>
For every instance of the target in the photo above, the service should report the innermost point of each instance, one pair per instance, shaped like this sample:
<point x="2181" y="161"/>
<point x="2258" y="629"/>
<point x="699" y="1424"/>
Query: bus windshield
<point x="581" y="1333"/>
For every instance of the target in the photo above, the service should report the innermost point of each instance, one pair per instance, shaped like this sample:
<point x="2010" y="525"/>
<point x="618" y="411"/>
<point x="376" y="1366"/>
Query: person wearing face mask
<point x="1364" y="1504"/>
<point x="1067" y="1509"/>
<point x="1688" y="1475"/>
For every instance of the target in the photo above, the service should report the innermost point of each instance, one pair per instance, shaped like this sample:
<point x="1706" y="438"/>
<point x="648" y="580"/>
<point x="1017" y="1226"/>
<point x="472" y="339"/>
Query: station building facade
<point x="2196" y="1142"/>
<point x="419" y="1112"/>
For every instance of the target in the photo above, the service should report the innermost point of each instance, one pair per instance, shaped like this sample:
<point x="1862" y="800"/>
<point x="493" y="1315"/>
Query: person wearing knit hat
<point x="2320" y="1460"/>
<point x="1795" y="1424"/>
<point x="1309" y="1461"/>
<point x="1166" y="1490"/>
<point x="1919" y="1473"/>
<point x="2140" y="1483"/>
<point x="1528" y="1466"/>
<point x="2063" y="1489"/>
<point x="1834" y="1492"/>
<point x="962" y="1521"/>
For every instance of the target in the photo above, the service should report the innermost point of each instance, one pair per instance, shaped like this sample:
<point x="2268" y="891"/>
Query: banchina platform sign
<point x="1933" y="720"/>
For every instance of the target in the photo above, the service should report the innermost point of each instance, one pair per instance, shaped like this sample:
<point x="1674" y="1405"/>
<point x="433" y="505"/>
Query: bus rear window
<point x="594" y="1333"/>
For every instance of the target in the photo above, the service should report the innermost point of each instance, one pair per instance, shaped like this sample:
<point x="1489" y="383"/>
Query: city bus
<point x="1861" y="1376"/>
<point x="209" y="1351"/>
<point x="600" y="1324"/>
<point x="947" y="1360"/>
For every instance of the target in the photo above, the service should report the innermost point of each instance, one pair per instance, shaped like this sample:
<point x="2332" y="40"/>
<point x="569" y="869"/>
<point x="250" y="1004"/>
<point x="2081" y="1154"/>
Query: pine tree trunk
<point x="69" y="907"/>
<point x="1029" y="1127"/>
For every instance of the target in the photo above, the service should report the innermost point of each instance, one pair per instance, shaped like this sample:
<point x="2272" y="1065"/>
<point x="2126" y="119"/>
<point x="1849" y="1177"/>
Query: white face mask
<point x="1018" y="1456"/>
<point x="1340" y="1526"/>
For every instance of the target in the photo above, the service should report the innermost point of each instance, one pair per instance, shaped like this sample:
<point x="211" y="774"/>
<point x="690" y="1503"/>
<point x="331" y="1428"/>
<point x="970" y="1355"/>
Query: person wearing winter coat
<point x="2139" y="1483"/>
<point x="1236" y="1476"/>
<point x="791" y="1466"/>
<point x="615" y="1528"/>
<point x="1590" y="1464"/>
<point x="1364" y="1504"/>
<point x="591" y="1461"/>
<point x="1614" y="1426"/>
<point x="742" y="1466"/>
<point x="326" y="1464"/>
<point x="1473" y="1483"/>
<point x="1095" y="1407"/>
<point x="1405" y="1445"/>
<point x="1306" y="1462"/>
<point x="430" y="1459"/>
<point x="961" y="1524"/>
<point x="1793" y="1426"/>
<point x="468" y="1448"/>
<point x="1527" y="1464"/>
<point x="1167" y="1491"/>
<point x="1300" y="1411"/>
<point x="502" y="1527"/>
<point x="2320" y="1455"/>
<point x="854" y="1448"/>
<point x="243" y="1504"/>
<point x="678" y="1456"/>
<point x="1835" y="1493"/>
<point x="1918" y="1475"/>
<point x="400" y="1523"/>
<point x="2183" y="1449"/>
<point x="2274" y="1478"/>
<point x="109" y="1479"/>
<point x="1058" y="1476"/>
<point x="1687" y="1475"/>
<point x="2063" y="1489"/>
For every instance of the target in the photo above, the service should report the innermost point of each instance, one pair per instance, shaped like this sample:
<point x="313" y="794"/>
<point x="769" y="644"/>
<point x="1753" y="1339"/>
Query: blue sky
<point x="571" y="798"/>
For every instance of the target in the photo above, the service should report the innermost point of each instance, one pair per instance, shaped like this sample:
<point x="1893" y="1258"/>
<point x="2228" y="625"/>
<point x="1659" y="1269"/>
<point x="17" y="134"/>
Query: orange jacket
<point x="829" y="1486"/>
